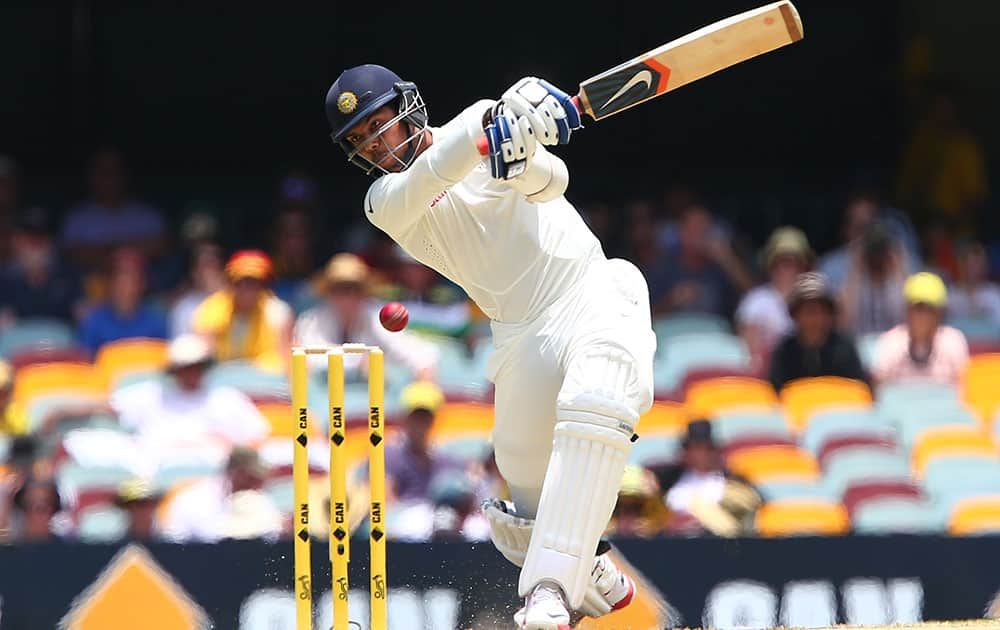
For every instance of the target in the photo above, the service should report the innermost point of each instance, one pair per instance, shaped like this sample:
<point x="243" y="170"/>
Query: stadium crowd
<point x="144" y="383"/>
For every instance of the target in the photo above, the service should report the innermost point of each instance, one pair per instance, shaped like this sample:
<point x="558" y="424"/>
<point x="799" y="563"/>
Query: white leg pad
<point x="581" y="486"/>
<point x="511" y="535"/>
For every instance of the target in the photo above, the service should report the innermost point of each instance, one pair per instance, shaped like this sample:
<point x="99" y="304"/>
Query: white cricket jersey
<point x="512" y="256"/>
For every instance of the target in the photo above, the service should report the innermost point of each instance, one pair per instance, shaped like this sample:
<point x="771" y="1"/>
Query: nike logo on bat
<point x="643" y="76"/>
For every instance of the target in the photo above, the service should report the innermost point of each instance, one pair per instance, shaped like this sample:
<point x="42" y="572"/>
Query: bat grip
<point x="484" y="145"/>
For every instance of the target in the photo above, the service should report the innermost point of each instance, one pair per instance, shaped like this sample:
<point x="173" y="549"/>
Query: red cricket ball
<point x="394" y="316"/>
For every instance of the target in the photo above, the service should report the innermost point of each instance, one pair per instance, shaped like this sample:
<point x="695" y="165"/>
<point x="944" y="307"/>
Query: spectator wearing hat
<point x="871" y="297"/>
<point x="111" y="218"/>
<point x="206" y="276"/>
<point x="815" y="347"/>
<point x="762" y="315"/>
<point x="700" y="486"/>
<point x="227" y="505"/>
<point x="179" y="413"/>
<point x="36" y="282"/>
<point x="126" y="312"/>
<point x="246" y="320"/>
<point x="922" y="348"/>
<point x="139" y="500"/>
<point x="348" y="314"/>
<point x="410" y="464"/>
<point x="639" y="511"/>
<point x="973" y="295"/>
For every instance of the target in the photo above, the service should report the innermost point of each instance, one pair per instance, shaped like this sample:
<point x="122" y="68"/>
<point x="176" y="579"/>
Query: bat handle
<point x="484" y="145"/>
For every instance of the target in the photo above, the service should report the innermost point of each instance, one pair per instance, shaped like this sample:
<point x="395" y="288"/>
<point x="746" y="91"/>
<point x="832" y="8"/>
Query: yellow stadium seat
<point x="711" y="396"/>
<point x="122" y="357"/>
<point x="281" y="418"/>
<point x="979" y="515"/>
<point x="793" y="517"/>
<point x="762" y="464"/>
<point x="805" y="396"/>
<point x="663" y="418"/>
<point x="979" y="385"/>
<point x="951" y="441"/>
<point x="50" y="378"/>
<point x="462" y="419"/>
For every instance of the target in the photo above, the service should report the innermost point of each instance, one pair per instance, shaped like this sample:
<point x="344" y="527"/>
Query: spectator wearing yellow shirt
<point x="245" y="319"/>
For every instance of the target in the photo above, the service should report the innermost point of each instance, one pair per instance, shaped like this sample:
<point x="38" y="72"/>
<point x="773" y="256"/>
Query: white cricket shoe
<point x="545" y="609"/>
<point x="611" y="582"/>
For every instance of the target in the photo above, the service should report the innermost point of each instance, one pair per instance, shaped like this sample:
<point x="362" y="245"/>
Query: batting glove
<point x="550" y="111"/>
<point x="512" y="142"/>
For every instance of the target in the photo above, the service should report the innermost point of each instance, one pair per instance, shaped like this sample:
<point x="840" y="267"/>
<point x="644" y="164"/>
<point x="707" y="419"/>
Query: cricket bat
<point x="684" y="60"/>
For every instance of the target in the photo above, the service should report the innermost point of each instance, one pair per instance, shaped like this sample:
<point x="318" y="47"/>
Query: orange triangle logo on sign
<point x="133" y="591"/>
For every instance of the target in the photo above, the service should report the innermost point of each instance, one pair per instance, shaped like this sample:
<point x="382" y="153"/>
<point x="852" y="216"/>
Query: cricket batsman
<point x="571" y="328"/>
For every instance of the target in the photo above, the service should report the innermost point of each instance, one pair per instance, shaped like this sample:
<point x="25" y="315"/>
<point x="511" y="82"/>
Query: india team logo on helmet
<point x="347" y="102"/>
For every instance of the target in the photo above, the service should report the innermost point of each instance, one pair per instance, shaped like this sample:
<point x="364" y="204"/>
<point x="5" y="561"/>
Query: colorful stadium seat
<point x="829" y="424"/>
<point x="35" y="334"/>
<point x="672" y="326"/>
<point x="804" y="397"/>
<point x="50" y="378"/>
<point x="802" y="517"/>
<point x="731" y="426"/>
<point x="461" y="420"/>
<point x="859" y="493"/>
<point x="123" y="357"/>
<point x="841" y="441"/>
<point x="976" y="329"/>
<point x="693" y="351"/>
<point x="849" y="466"/>
<point x="102" y="524"/>
<point x="663" y="418"/>
<point x="975" y="516"/>
<point x="74" y="477"/>
<point x="250" y="379"/>
<point x="891" y="515"/>
<point x="652" y="450"/>
<point x="64" y="354"/>
<point x="913" y="425"/>
<point x="781" y="490"/>
<point x="764" y="464"/>
<point x="754" y="441"/>
<point x="951" y="442"/>
<point x="710" y="397"/>
<point x="904" y="395"/>
<point x="866" y="349"/>
<point x="979" y="385"/>
<point x="459" y="372"/>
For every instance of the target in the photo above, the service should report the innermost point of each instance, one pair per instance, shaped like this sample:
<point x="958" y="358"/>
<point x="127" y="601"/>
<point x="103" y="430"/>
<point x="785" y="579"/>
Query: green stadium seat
<point x="893" y="515"/>
<point x="736" y="425"/>
<point x="780" y="490"/>
<point x="850" y="466"/>
<point x="824" y="425"/>
<point x="653" y="449"/>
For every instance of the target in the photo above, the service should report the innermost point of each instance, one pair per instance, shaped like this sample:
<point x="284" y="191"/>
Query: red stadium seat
<point x="34" y="356"/>
<point x="841" y="441"/>
<point x="753" y="441"/>
<point x="858" y="493"/>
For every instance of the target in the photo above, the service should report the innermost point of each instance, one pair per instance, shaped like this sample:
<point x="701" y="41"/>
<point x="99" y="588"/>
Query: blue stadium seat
<point x="249" y="379"/>
<point x="850" y="466"/>
<point x="898" y="515"/>
<point x="825" y="424"/>
<point x="892" y="397"/>
<point x="730" y="426"/>
<point x="466" y="449"/>
<point x="102" y="524"/>
<point x="948" y="479"/>
<point x="73" y="476"/>
<point x="171" y="474"/>
<point x="976" y="329"/>
<point x="690" y="351"/>
<point x="780" y="490"/>
<point x="650" y="449"/>
<point x="35" y="334"/>
<point x="282" y="492"/>
<point x="459" y="373"/>
<point x="675" y="325"/>
<point x="913" y="426"/>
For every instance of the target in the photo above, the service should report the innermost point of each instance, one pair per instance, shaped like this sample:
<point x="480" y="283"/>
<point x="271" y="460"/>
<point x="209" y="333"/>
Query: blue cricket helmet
<point x="358" y="93"/>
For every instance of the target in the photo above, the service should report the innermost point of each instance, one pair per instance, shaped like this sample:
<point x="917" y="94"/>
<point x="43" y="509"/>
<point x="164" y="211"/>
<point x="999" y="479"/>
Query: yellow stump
<point x="376" y="474"/>
<point x="300" y="480"/>
<point x="340" y="535"/>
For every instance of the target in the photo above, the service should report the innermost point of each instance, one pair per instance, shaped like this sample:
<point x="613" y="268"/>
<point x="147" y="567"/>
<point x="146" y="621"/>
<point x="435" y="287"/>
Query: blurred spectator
<point x="922" y="348"/>
<point x="13" y="473"/>
<point x="862" y="211"/>
<point x="606" y="225"/>
<point x="488" y="481"/>
<point x="9" y="199"/>
<point x="973" y="295"/>
<point x="126" y="313"/>
<point x="871" y="297"/>
<point x="641" y="245"/>
<point x="230" y="505"/>
<point x="409" y="462"/>
<point x="943" y="174"/>
<point x="348" y="314"/>
<point x="436" y="306"/>
<point x="7" y="421"/>
<point x="139" y="501"/>
<point x="762" y="315"/>
<point x="36" y="282"/>
<point x="111" y="217"/>
<point x="639" y="512"/>
<point x="701" y="486"/>
<point x="456" y="512"/>
<point x="815" y="348"/>
<point x="181" y="411"/>
<point x="246" y="320"/>
<point x="293" y="255"/>
<point x="703" y="274"/>
<point x="36" y="505"/>
<point x="207" y="276"/>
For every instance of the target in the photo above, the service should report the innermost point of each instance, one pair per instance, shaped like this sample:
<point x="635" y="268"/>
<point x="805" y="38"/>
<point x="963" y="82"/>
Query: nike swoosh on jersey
<point x="643" y="76"/>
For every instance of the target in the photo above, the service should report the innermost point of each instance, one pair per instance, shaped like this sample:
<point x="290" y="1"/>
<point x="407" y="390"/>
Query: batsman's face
<point x="378" y="138"/>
